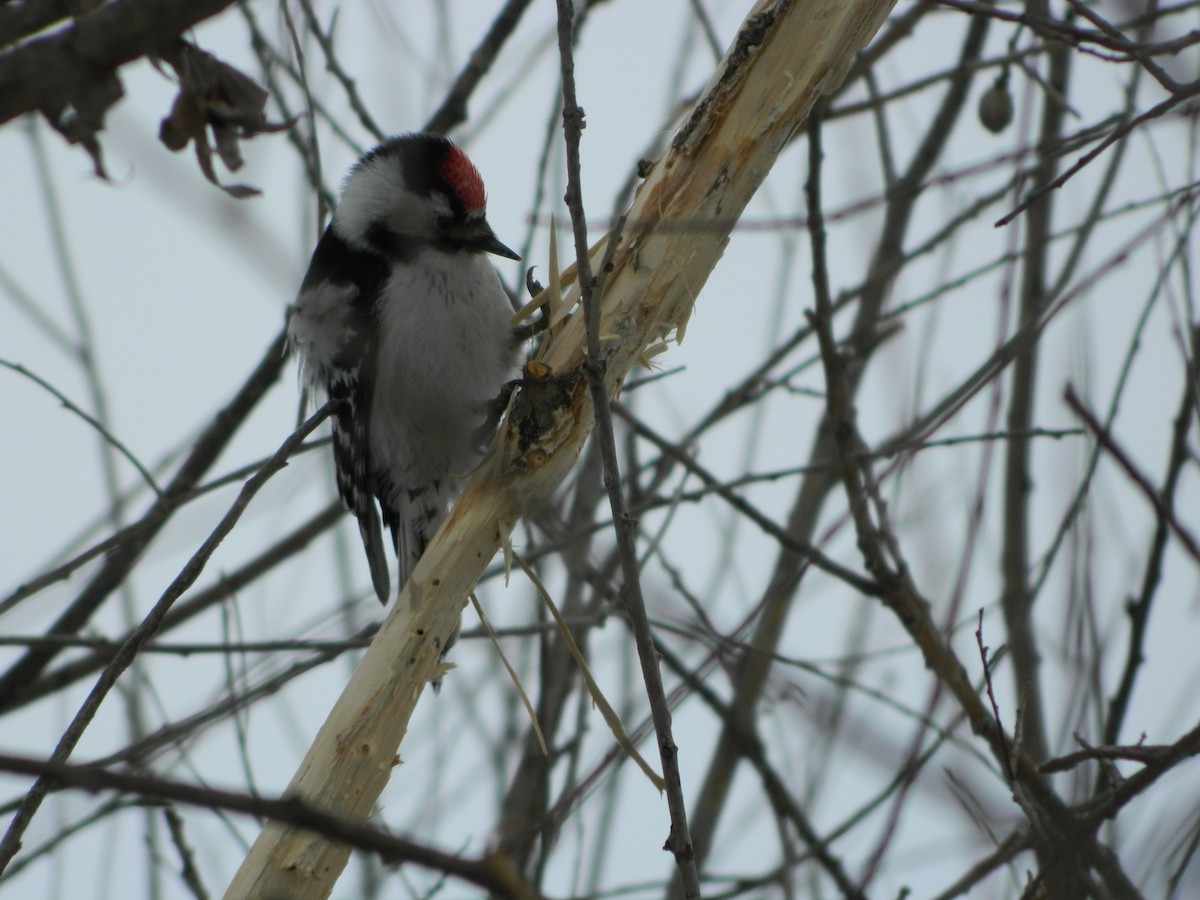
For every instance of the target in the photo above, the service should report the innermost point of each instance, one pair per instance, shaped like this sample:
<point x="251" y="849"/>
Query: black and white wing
<point x="333" y="329"/>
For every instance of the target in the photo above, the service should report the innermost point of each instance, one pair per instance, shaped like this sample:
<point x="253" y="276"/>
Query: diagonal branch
<point x="787" y="54"/>
<point x="486" y="873"/>
<point x="121" y="559"/>
<point x="679" y="841"/>
<point x="11" y="842"/>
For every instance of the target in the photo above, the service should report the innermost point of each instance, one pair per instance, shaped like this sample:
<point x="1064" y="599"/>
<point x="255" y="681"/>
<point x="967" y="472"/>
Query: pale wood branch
<point x="786" y="55"/>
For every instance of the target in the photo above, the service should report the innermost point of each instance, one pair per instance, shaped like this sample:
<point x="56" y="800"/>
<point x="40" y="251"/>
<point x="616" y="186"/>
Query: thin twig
<point x="1109" y="443"/>
<point x="987" y="678"/>
<point x="121" y="560"/>
<point x="10" y="845"/>
<point x="1139" y="609"/>
<point x="679" y="842"/>
<point x="334" y="66"/>
<point x="454" y="105"/>
<point x="228" y="585"/>
<point x="108" y="436"/>
<point x="726" y="492"/>
<point x="775" y="787"/>
<point x="187" y="857"/>
<point x="489" y="874"/>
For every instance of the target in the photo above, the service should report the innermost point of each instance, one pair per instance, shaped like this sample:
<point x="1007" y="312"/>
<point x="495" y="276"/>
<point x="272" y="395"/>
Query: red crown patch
<point x="464" y="179"/>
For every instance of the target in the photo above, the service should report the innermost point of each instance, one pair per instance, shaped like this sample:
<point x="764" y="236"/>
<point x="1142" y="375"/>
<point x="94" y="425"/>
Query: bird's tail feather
<point x="420" y="513"/>
<point x="372" y="538"/>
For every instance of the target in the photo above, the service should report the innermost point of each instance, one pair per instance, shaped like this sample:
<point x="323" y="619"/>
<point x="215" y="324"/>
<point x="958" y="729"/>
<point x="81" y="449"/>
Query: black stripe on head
<point x="396" y="247"/>
<point x="431" y="162"/>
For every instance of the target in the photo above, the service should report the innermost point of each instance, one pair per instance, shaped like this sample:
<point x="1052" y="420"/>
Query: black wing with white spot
<point x="333" y="327"/>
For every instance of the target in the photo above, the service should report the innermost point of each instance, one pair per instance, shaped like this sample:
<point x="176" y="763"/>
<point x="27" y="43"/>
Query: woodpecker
<point x="402" y="319"/>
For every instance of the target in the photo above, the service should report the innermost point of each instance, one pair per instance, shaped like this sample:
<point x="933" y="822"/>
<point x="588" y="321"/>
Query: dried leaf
<point x="82" y="120"/>
<point x="214" y="96"/>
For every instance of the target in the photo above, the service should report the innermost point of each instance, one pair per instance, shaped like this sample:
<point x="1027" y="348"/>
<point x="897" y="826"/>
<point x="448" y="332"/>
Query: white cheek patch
<point x="372" y="194"/>
<point x="419" y="218"/>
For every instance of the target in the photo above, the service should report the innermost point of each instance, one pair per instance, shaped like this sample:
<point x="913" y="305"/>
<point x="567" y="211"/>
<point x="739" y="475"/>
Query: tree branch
<point x="75" y="68"/>
<point x="787" y="54"/>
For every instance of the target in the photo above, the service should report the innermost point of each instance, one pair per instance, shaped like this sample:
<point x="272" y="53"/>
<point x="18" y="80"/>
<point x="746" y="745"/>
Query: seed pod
<point x="996" y="106"/>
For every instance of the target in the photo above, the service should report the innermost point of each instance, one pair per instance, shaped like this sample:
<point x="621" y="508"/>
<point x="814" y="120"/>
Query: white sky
<point x="184" y="288"/>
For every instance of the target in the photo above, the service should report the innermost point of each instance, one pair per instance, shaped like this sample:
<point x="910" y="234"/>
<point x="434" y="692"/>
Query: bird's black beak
<point x="478" y="235"/>
<point x="489" y="242"/>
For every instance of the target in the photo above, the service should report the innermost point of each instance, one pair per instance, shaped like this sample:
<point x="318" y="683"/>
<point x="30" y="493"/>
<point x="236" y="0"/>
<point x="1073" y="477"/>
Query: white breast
<point x="445" y="351"/>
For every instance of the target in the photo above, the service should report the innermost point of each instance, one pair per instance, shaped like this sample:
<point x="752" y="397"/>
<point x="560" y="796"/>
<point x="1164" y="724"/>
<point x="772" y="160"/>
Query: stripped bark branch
<point x="786" y="56"/>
